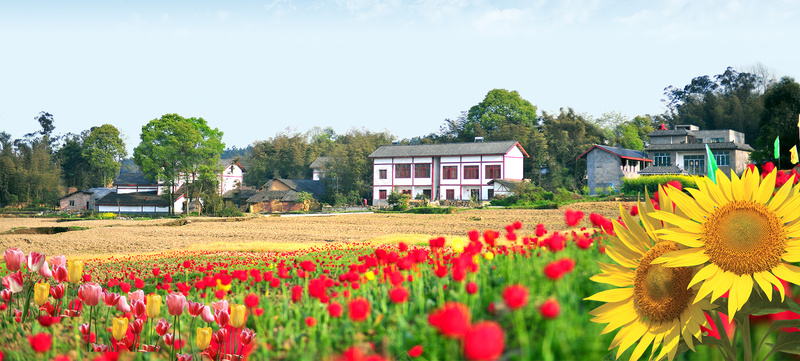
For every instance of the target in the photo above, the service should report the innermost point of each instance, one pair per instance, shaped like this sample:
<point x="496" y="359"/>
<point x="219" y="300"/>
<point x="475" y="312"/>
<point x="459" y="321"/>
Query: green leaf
<point x="788" y="342"/>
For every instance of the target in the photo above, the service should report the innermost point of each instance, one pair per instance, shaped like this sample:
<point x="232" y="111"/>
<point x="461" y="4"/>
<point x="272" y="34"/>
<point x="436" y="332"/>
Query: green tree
<point x="499" y="110"/>
<point x="74" y="167"/>
<point x="349" y="169"/>
<point x="568" y="135"/>
<point x="173" y="146"/>
<point x="283" y="156"/>
<point x="103" y="149"/>
<point x="779" y="119"/>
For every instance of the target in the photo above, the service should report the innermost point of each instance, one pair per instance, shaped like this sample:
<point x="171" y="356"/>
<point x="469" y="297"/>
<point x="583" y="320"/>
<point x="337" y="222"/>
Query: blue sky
<point x="254" y="68"/>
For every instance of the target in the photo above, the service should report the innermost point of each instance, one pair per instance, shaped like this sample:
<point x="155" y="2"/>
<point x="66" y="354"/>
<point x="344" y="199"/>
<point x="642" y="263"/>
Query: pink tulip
<point x="246" y="336"/>
<point x="60" y="273"/>
<point x="138" y="307"/>
<point x="90" y="293"/>
<point x="13" y="282"/>
<point x="110" y="298"/>
<point x="176" y="302"/>
<point x="13" y="257"/>
<point x="6" y="294"/>
<point x="122" y="305"/>
<point x="45" y="271"/>
<point x="137" y="295"/>
<point x="223" y="318"/>
<point x="162" y="326"/>
<point x="195" y="308"/>
<point x="207" y="315"/>
<point x="220" y="305"/>
<point x="58" y="261"/>
<point x="35" y="261"/>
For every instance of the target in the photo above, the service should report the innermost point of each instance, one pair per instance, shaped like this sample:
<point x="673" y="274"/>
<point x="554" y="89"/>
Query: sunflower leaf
<point x="788" y="342"/>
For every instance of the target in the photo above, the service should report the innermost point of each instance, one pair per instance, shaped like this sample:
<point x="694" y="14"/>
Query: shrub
<point x="634" y="186"/>
<point x="230" y="211"/>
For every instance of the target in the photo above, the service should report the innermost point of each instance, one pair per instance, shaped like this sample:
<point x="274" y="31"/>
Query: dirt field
<point x="115" y="237"/>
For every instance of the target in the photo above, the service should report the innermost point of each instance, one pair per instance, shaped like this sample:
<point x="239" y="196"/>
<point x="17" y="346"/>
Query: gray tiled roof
<point x="699" y="146"/>
<point x="670" y="169"/>
<point x="448" y="149"/>
<point x="132" y="179"/>
<point x="664" y="133"/>
<point x="132" y="199"/>
<point x="622" y="152"/>
<point x="319" y="162"/>
<point x="244" y="193"/>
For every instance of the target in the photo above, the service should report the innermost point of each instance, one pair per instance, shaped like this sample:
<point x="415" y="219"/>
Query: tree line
<point x="38" y="167"/>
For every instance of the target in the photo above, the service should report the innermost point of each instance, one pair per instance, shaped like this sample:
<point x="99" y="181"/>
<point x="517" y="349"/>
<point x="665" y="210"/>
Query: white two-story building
<point x="454" y="171"/>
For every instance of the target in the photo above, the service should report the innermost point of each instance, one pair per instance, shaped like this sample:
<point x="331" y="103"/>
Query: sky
<point x="253" y="69"/>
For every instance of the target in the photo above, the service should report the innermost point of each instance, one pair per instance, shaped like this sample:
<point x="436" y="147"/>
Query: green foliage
<point x="229" y="211"/>
<point x="634" y="186"/>
<point x="432" y="210"/>
<point x="779" y="119"/>
<point x="527" y="195"/>
<point x="103" y="150"/>
<point x="400" y="201"/>
<point x="568" y="135"/>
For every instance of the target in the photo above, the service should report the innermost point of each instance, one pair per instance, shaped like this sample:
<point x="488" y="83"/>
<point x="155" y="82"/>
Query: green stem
<point x="522" y="333"/>
<point x="745" y="326"/>
<point x="172" y="347"/>
<point x="730" y="353"/>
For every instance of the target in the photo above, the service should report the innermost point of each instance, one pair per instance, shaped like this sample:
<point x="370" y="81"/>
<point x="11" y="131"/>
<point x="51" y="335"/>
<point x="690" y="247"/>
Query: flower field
<point x="519" y="293"/>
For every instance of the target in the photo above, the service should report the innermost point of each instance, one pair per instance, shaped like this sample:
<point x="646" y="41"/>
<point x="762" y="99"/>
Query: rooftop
<point x="447" y="149"/>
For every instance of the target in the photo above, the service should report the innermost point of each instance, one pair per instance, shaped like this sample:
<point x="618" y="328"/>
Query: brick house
<point x="282" y="195"/>
<point x="453" y="171"/>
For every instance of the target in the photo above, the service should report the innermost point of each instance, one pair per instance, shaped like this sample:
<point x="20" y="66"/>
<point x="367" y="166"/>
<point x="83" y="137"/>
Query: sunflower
<point x="653" y="304"/>
<point x="740" y="231"/>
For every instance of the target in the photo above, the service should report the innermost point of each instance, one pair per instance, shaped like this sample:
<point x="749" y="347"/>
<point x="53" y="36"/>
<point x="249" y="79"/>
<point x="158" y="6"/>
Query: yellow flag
<point x="793" y="151"/>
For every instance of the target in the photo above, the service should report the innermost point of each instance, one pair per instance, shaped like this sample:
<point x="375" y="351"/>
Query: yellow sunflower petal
<point x="776" y="282"/>
<point x="705" y="273"/>
<point x="722" y="283"/>
<point x="682" y="258"/>
<point x="745" y="287"/>
<point x="766" y="188"/>
<point x="670" y="344"/>
<point x="737" y="188"/>
<point x="787" y="272"/>
<point x="686" y="320"/>
<point x="703" y="199"/>
<point x="631" y="242"/>
<point x="792" y="254"/>
<point x="614" y="279"/>
<point x="779" y="197"/>
<point x="671" y="218"/>
<point x="750" y="185"/>
<point x="687" y="204"/>
<point x="634" y="230"/>
<point x="724" y="184"/>
<point x="637" y="330"/>
<point x="686" y="239"/>
<point x="733" y="298"/>
<point x="790" y="210"/>
<point x="644" y="343"/>
<point x="765" y="285"/>
<point x="613" y="295"/>
<point x="609" y="267"/>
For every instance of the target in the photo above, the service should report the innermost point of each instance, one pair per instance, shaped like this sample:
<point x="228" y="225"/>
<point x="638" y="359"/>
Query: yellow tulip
<point x="119" y="326"/>
<point x="203" y="338"/>
<point x="457" y="245"/>
<point x="225" y="288"/>
<point x="370" y="275"/>
<point x="238" y="315"/>
<point x="75" y="271"/>
<point x="153" y="305"/>
<point x="488" y="256"/>
<point x="41" y="291"/>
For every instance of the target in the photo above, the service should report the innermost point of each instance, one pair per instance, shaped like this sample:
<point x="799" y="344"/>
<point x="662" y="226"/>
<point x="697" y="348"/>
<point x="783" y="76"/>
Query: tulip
<point x="75" y="271"/>
<point x="40" y="293"/>
<point x="162" y="326"/>
<point x="14" y="282"/>
<point x="6" y="294"/>
<point x="110" y="299"/>
<point x="45" y="271"/>
<point x="138" y="307"/>
<point x="136" y="326"/>
<point x="60" y="273"/>
<point x="58" y="261"/>
<point x="153" y="305"/>
<point x="13" y="257"/>
<point x="176" y="302"/>
<point x="207" y="315"/>
<point x="195" y="308"/>
<point x="203" y="338"/>
<point x="119" y="326"/>
<point x="35" y="261"/>
<point x="136" y="295"/>
<point x="220" y="305"/>
<point x="122" y="305"/>
<point x="90" y="293"/>
<point x="184" y="357"/>
<point x="223" y="318"/>
<point x="238" y="318"/>
<point x="246" y="336"/>
<point x="57" y="291"/>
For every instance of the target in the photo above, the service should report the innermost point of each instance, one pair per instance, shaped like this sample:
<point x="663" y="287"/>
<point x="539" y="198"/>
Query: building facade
<point x="684" y="147"/>
<point x="606" y="166"/>
<point x="455" y="171"/>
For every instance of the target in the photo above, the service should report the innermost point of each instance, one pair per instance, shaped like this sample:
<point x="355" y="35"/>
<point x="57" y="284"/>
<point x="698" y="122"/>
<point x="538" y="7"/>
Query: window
<point x="426" y="193"/>
<point x="450" y="194"/>
<point x="722" y="158"/>
<point x="717" y="140"/>
<point x="406" y="191"/>
<point x="694" y="164"/>
<point x="450" y="172"/>
<point x="382" y="194"/>
<point x="493" y="171"/>
<point x="470" y="172"/>
<point x="474" y="194"/>
<point x="661" y="159"/>
<point x="72" y="203"/>
<point x="402" y="170"/>
<point x="382" y="174"/>
<point x="490" y="193"/>
<point x="422" y="170"/>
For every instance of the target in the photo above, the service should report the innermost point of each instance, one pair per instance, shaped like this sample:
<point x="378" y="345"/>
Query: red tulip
<point x="136" y="326"/>
<point x="398" y="294"/>
<point x="110" y="298"/>
<point x="515" y="296"/>
<point x="472" y="288"/>
<point x="138" y="307"/>
<point x="358" y="309"/>
<point x="194" y="308"/>
<point x="540" y="230"/>
<point x="162" y="327"/>
<point x="184" y="357"/>
<point x="223" y="318"/>
<point x="415" y="351"/>
<point x="452" y="319"/>
<point x="251" y="300"/>
<point x="484" y="341"/>
<point x="335" y="309"/>
<point x="573" y="217"/>
<point x="57" y="291"/>
<point x="35" y="261"/>
<point x="60" y="273"/>
<point x="6" y="294"/>
<point x="550" y="309"/>
<point x="14" y="282"/>
<point x="41" y="342"/>
<point x="311" y="321"/>
<point x="246" y="336"/>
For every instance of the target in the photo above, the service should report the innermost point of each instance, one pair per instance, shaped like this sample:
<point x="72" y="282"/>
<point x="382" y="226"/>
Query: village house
<point x="454" y="171"/>
<point x="318" y="168"/>
<point x="82" y="200"/>
<point x="283" y="195"/>
<point x="133" y="202"/>
<point x="682" y="150"/>
<point x="606" y="166"/>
